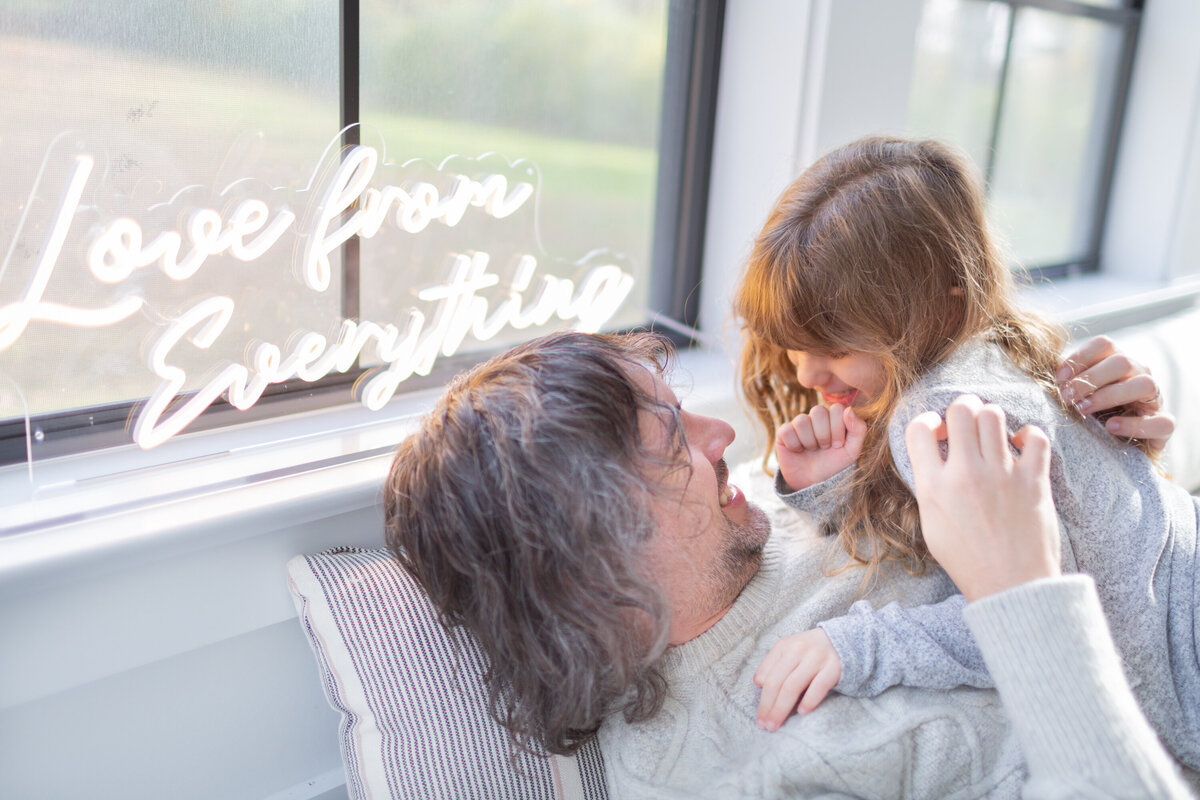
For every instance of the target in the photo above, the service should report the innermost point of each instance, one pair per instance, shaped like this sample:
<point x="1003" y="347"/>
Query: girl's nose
<point x="810" y="370"/>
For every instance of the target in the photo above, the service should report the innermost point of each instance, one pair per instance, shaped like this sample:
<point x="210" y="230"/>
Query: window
<point x="1034" y="91"/>
<point x="205" y="203"/>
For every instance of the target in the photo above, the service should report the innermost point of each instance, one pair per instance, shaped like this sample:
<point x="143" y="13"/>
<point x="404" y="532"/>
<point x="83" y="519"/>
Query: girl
<point x="875" y="292"/>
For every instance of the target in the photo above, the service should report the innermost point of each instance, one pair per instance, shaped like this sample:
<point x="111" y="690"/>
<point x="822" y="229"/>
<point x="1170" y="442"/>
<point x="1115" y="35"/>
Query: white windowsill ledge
<point x="239" y="481"/>
<point x="223" y="485"/>
<point x="1090" y="305"/>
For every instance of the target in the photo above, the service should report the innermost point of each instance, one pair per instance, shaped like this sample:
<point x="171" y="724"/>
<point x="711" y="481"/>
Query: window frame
<point x="688" y="114"/>
<point x="1127" y="18"/>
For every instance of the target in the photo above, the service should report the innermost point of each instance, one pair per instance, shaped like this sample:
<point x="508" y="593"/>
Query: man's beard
<point x="742" y="554"/>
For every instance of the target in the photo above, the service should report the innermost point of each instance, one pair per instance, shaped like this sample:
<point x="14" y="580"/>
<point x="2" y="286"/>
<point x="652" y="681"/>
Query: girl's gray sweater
<point x="1125" y="525"/>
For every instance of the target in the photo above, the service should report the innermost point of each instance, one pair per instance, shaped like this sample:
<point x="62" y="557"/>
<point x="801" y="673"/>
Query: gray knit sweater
<point x="1072" y="709"/>
<point x="1122" y="523"/>
<point x="904" y="743"/>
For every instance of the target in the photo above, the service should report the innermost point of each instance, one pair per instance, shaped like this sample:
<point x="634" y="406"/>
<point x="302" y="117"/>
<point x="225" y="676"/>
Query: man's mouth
<point x="726" y="491"/>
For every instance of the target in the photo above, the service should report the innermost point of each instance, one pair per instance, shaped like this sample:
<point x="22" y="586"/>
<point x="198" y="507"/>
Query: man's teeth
<point x="725" y="495"/>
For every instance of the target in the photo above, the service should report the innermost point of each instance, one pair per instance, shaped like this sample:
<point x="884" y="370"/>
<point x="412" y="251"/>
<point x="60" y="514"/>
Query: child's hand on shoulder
<point x="795" y="676"/>
<point x="818" y="445"/>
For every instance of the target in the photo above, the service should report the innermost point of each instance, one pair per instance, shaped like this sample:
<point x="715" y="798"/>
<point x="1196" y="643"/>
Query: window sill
<point x="228" y="484"/>
<point x="1090" y="305"/>
<point x="233" y="483"/>
<point x="219" y="485"/>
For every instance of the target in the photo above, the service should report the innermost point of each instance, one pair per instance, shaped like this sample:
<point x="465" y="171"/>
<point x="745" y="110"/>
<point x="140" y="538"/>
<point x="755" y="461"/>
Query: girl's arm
<point x="929" y="647"/>
<point x="821" y="499"/>
<point x="815" y="452"/>
<point x="867" y="651"/>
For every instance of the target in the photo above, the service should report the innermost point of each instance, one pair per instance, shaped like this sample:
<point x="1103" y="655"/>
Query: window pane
<point x="956" y="74"/>
<point x="178" y="108"/>
<point x="565" y="97"/>
<point x="1053" y="129"/>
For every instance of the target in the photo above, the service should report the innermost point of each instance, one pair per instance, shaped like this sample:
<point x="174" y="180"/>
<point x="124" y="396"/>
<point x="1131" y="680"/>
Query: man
<point x="562" y="506"/>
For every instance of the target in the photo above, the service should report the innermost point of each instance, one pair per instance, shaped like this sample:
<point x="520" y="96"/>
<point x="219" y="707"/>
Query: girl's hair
<point x="882" y="248"/>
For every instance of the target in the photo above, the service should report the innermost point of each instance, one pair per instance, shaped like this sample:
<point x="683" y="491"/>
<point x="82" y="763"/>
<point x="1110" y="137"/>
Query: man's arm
<point x="989" y="520"/>
<point x="1098" y="378"/>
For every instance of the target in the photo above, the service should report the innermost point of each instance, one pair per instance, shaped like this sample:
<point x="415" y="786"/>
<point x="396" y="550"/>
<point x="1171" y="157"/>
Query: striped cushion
<point x="414" y="711"/>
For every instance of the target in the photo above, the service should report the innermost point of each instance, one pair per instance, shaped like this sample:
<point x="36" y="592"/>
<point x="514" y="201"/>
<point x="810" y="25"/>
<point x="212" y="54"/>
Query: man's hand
<point x="818" y="445"/>
<point x="987" y="518"/>
<point x="795" y="676"/>
<point x="1097" y="377"/>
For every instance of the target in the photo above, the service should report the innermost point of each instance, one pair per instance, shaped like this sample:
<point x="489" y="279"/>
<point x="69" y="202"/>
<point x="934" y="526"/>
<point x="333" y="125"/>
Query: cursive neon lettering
<point x="469" y="302"/>
<point x="415" y="208"/>
<point x="15" y="317"/>
<point x="118" y="250"/>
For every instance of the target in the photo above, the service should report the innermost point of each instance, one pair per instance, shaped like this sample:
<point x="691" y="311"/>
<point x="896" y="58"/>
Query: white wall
<point x="759" y="99"/>
<point x="174" y="668"/>
<point x="1154" y="219"/>
<point x="798" y="78"/>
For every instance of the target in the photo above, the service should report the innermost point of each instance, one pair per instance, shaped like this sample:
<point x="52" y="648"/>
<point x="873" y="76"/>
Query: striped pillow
<point x="414" y="710"/>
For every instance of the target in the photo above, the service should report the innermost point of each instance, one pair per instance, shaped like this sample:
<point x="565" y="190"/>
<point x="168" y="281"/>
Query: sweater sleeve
<point x="821" y="499"/>
<point x="927" y="647"/>
<point x="1060" y="679"/>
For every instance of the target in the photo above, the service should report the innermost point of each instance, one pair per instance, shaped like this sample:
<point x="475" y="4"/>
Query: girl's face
<point x="852" y="379"/>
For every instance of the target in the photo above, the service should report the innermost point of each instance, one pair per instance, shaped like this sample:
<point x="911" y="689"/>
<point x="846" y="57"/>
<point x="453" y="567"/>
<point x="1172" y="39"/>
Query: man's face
<point x="709" y="539"/>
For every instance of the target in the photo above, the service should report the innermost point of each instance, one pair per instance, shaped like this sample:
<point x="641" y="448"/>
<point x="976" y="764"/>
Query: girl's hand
<point x="986" y="517"/>
<point x="795" y="676"/>
<point x="818" y="445"/>
<point x="1097" y="377"/>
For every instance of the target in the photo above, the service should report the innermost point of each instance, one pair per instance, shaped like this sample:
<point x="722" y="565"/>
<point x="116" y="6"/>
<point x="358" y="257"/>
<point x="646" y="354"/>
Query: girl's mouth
<point x="842" y="398"/>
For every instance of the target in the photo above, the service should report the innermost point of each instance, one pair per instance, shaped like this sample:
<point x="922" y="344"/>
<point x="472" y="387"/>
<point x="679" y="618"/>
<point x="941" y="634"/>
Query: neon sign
<point x="471" y="301"/>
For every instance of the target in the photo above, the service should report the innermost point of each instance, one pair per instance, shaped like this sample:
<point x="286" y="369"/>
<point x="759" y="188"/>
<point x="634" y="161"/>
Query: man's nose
<point x="713" y="436"/>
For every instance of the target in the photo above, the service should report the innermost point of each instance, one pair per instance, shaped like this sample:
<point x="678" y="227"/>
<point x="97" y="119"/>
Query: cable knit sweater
<point x="1122" y="523"/>
<point x="905" y="742"/>
<point x="1058" y="673"/>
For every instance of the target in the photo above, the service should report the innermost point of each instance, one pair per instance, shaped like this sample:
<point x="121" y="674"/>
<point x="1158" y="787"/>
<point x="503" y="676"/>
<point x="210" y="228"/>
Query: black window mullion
<point x="993" y="143"/>
<point x="1072" y="8"/>
<point x="694" y="32"/>
<point x="348" y="31"/>
<point x="1115" y="121"/>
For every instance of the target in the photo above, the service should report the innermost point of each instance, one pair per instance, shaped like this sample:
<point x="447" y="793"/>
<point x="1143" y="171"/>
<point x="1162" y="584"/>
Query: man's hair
<point x="521" y="506"/>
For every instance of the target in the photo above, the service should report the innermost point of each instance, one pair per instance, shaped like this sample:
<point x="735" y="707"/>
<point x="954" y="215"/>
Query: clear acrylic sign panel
<point x="177" y="188"/>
